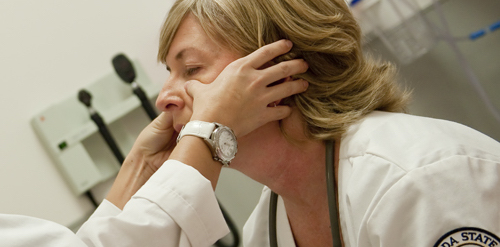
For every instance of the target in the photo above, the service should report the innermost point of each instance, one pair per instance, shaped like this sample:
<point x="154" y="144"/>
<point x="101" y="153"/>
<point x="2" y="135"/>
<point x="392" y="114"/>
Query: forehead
<point x="189" y="38"/>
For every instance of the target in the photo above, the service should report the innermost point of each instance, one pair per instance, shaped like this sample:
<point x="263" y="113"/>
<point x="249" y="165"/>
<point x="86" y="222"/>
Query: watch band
<point x="220" y="139"/>
<point x="197" y="128"/>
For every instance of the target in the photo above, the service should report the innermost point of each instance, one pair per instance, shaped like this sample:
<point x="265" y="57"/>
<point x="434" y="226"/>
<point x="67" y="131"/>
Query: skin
<point x="212" y="84"/>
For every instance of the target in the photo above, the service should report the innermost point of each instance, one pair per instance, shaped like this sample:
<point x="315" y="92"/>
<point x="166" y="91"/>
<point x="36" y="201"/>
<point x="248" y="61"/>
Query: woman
<point x="160" y="202"/>
<point x="402" y="180"/>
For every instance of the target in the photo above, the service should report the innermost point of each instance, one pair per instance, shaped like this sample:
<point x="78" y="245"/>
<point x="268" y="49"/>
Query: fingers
<point x="286" y="89"/>
<point x="268" y="52"/>
<point x="193" y="87"/>
<point x="278" y="112"/>
<point x="156" y="136"/>
<point x="163" y="122"/>
<point x="159" y="129"/>
<point x="284" y="69"/>
<point x="278" y="71"/>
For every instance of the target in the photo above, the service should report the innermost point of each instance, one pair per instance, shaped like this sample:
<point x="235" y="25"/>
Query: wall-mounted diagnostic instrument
<point x="75" y="142"/>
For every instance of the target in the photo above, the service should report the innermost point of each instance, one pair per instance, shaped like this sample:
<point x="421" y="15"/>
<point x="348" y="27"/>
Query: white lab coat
<point x="176" y="207"/>
<point x="407" y="181"/>
<point x="403" y="181"/>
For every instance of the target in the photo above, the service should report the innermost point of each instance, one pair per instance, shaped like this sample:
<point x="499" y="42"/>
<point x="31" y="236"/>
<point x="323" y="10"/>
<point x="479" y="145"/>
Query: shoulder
<point x="412" y="141"/>
<point x="407" y="176"/>
<point x="427" y="203"/>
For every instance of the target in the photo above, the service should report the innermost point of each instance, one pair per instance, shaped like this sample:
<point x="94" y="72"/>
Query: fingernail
<point x="289" y="43"/>
<point x="306" y="83"/>
<point x="307" y="64"/>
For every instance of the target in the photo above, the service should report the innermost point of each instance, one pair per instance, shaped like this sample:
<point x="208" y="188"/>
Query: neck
<point x="301" y="182"/>
<point x="295" y="171"/>
<point x="306" y="201"/>
<point x="300" y="176"/>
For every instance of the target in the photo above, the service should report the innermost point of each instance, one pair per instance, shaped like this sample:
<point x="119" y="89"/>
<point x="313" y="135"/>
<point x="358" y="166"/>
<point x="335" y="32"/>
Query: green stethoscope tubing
<point x="332" y="201"/>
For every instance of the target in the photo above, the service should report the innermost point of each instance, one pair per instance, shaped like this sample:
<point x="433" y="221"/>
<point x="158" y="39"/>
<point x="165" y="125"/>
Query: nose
<point x="171" y="96"/>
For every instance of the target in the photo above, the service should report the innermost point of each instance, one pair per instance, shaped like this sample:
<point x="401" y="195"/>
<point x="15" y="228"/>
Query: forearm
<point x="193" y="151"/>
<point x="177" y="206"/>
<point x="135" y="171"/>
<point x="133" y="174"/>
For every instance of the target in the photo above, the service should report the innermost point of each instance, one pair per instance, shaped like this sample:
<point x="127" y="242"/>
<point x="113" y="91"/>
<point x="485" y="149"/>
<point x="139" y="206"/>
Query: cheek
<point x="210" y="76"/>
<point x="220" y="63"/>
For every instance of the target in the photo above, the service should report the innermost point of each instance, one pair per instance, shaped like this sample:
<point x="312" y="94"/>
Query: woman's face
<point x="194" y="56"/>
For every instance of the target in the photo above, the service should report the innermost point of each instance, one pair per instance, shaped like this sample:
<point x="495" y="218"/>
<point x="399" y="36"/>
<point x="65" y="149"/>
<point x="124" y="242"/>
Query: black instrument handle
<point x="145" y="102"/>
<point x="107" y="137"/>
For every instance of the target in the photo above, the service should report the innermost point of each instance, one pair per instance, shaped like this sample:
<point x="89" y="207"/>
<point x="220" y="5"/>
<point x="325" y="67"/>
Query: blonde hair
<point x="343" y="87"/>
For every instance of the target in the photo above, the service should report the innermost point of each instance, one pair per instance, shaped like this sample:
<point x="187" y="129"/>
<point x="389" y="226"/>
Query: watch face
<point x="226" y="144"/>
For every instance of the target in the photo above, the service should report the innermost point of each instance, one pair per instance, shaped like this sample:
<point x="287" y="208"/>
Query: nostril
<point x="170" y="106"/>
<point x="169" y="101"/>
<point x="172" y="103"/>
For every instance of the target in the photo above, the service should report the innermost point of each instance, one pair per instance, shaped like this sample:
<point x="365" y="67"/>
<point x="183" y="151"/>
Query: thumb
<point x="157" y="136"/>
<point x="192" y="87"/>
<point x="163" y="122"/>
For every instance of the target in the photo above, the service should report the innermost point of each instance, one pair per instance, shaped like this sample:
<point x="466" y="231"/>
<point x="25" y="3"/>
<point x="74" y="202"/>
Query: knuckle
<point x="258" y="80"/>
<point x="285" y="69"/>
<point x="291" y="90"/>
<point x="235" y="65"/>
<point x="266" y="51"/>
<point x="294" y="88"/>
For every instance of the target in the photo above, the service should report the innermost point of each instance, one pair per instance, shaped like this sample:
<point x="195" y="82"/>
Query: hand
<point x="240" y="95"/>
<point x="155" y="143"/>
<point x="151" y="149"/>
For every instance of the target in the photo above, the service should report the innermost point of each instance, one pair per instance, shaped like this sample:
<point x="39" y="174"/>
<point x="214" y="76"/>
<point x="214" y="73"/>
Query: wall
<point x="49" y="50"/>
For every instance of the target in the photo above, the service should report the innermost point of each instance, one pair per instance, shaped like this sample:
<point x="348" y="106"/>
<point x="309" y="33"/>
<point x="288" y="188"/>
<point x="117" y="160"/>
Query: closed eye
<point x="191" y="71"/>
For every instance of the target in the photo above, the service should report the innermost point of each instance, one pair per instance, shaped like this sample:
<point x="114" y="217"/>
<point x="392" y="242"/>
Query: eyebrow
<point x="180" y="54"/>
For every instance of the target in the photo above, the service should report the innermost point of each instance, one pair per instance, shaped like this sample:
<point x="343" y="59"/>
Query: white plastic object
<point x="72" y="139"/>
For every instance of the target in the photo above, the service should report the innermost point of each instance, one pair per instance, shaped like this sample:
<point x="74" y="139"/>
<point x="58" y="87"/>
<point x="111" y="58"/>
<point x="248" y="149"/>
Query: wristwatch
<point x="220" y="139"/>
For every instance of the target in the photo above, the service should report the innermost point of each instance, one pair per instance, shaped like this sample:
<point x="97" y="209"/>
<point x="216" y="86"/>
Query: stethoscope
<point x="332" y="201"/>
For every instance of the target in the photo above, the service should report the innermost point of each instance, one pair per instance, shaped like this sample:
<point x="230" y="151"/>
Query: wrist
<point x="133" y="174"/>
<point x="202" y="161"/>
<point x="219" y="138"/>
<point x="210" y="117"/>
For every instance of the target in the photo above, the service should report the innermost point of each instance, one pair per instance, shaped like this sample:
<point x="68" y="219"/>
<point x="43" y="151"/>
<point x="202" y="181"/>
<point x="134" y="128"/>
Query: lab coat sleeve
<point x="23" y="231"/>
<point x="176" y="207"/>
<point x="428" y="203"/>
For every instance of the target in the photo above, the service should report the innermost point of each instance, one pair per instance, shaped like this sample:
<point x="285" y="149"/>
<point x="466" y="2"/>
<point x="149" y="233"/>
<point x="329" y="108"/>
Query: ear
<point x="294" y="126"/>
